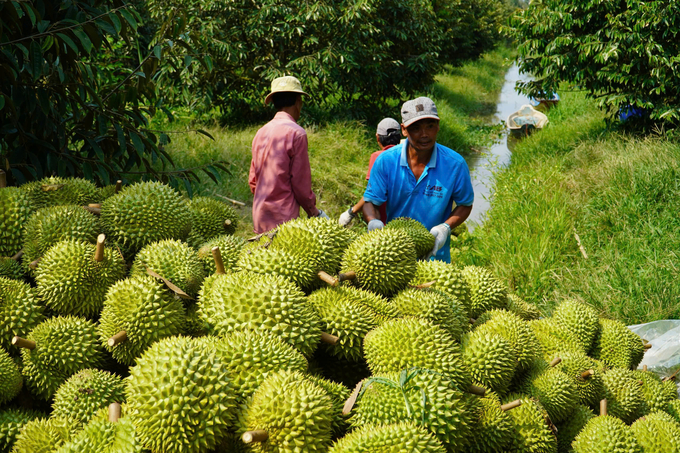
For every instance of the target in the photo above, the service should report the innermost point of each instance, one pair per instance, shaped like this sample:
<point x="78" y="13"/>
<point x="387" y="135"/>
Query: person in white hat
<point x="388" y="134"/>
<point x="280" y="177"/>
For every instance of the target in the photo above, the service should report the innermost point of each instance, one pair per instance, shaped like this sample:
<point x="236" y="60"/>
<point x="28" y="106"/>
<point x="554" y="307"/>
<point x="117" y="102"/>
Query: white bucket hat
<point x="286" y="84"/>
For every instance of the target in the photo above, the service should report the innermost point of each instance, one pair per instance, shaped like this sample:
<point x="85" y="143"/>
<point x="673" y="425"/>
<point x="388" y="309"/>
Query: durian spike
<point x="259" y="435"/>
<point x="34" y="264"/>
<point x="119" y="185"/>
<point x="18" y="256"/>
<point x="3" y="179"/>
<point x="475" y="390"/>
<point x="99" y="251"/>
<point x="219" y="264"/>
<point x="556" y="361"/>
<point x="117" y="338"/>
<point x="587" y="374"/>
<point x="227" y="223"/>
<point x="94" y="205"/>
<point x="23" y="343"/>
<point x="350" y="275"/>
<point x="603" y="407"/>
<point x="114" y="412"/>
<point x="329" y="339"/>
<point x="327" y="278"/>
<point x="511" y="405"/>
<point x="349" y="404"/>
<point x="425" y="285"/>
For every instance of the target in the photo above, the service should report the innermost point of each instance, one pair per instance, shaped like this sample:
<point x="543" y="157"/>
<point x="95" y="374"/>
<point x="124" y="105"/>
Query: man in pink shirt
<point x="280" y="176"/>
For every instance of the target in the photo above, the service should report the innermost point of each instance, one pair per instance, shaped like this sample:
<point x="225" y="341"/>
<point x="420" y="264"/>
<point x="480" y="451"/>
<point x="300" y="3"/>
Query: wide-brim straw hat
<point x="286" y="84"/>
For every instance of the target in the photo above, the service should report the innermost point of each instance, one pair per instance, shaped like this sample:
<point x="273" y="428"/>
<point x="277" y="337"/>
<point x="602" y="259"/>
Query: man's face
<point x="422" y="134"/>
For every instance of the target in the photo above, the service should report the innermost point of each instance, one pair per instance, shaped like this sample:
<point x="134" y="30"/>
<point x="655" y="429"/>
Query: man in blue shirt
<point x="421" y="179"/>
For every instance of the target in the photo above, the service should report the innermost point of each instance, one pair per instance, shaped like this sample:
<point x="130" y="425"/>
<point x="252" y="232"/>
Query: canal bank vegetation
<point x="587" y="212"/>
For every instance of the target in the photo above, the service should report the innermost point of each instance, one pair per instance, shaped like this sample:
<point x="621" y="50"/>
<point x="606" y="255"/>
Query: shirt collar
<point x="433" y="158"/>
<point x="284" y="116"/>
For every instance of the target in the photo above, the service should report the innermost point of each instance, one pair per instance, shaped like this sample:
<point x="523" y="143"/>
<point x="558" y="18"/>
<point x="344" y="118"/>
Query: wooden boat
<point x="525" y="121"/>
<point x="545" y="103"/>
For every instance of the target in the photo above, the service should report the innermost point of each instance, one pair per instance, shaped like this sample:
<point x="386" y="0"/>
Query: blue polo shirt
<point x="445" y="180"/>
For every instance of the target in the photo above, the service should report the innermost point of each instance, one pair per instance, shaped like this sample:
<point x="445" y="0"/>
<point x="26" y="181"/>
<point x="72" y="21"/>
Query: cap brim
<point x="418" y="118"/>
<point x="268" y="99"/>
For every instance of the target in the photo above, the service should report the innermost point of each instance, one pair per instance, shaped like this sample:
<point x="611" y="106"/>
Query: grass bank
<point x="339" y="151"/>
<point x="620" y="195"/>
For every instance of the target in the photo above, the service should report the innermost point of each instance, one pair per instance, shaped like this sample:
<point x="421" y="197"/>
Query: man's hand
<point x="440" y="232"/>
<point x="346" y="217"/>
<point x="323" y="215"/>
<point x="375" y="224"/>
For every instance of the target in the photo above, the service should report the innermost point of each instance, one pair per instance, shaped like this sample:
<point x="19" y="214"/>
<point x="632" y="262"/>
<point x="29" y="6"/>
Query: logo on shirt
<point x="434" y="190"/>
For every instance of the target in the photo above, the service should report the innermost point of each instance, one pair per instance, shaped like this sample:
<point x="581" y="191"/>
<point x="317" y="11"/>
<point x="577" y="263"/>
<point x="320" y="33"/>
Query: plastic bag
<point x="663" y="358"/>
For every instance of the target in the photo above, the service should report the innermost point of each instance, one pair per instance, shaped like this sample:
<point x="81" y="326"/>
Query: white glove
<point x="346" y="217"/>
<point x="323" y="215"/>
<point x="375" y="224"/>
<point x="440" y="232"/>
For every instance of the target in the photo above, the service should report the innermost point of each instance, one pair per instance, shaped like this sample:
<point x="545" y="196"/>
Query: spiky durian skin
<point x="673" y="409"/>
<point x="654" y="396"/>
<point x="102" y="436"/>
<point x="556" y="392"/>
<point x="43" y="435"/>
<point x="194" y="326"/>
<point x="384" y="261"/>
<point x="670" y="389"/>
<point x="85" y="392"/>
<point x="617" y="346"/>
<point x="71" y="282"/>
<point x="145" y="309"/>
<point x="569" y="429"/>
<point x="406" y="437"/>
<point x="383" y="308"/>
<point x="74" y="191"/>
<point x="20" y="311"/>
<point x="53" y="224"/>
<point x="623" y="392"/>
<point x="530" y="430"/>
<point x="296" y="413"/>
<point x="516" y="332"/>
<point x="230" y="249"/>
<point x="288" y="265"/>
<point x="490" y="359"/>
<point x="339" y="394"/>
<point x="11" y="421"/>
<point x="435" y="306"/>
<point x="486" y="291"/>
<point x="105" y="192"/>
<point x="579" y="318"/>
<point x="412" y="342"/>
<point x="444" y="410"/>
<point x="180" y="397"/>
<point x="15" y="210"/>
<point x="210" y="218"/>
<point x="248" y="301"/>
<point x="64" y="346"/>
<point x="422" y="239"/>
<point x="10" y="378"/>
<point x="657" y="433"/>
<point x="590" y="389"/>
<point x="606" y="434"/>
<point x="493" y="428"/>
<point x="173" y="260"/>
<point x="447" y="278"/>
<point x="143" y="213"/>
<point x="10" y="268"/>
<point x="555" y="338"/>
<point x="525" y="310"/>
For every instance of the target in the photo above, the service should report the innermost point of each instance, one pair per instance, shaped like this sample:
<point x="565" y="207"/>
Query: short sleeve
<point x="463" y="193"/>
<point x="376" y="190"/>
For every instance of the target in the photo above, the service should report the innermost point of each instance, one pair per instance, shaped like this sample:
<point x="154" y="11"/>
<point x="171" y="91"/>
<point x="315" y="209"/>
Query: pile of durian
<point x="133" y="320"/>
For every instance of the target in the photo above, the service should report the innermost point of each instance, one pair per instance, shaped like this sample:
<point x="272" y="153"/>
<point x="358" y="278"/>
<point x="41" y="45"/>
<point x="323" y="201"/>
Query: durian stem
<point x="95" y="211"/>
<point x="119" y="185"/>
<point x="556" y="361"/>
<point x="425" y="285"/>
<point x="648" y="346"/>
<point x="227" y="223"/>
<point x="641" y="382"/>
<point x="329" y="339"/>
<point x="351" y="275"/>
<point x="18" y="256"/>
<point x="603" y="407"/>
<point x="117" y="338"/>
<point x="219" y="264"/>
<point x="99" y="251"/>
<point x="3" y="179"/>
<point x="511" y="405"/>
<point x="644" y="367"/>
<point x="587" y="374"/>
<point x="34" y="264"/>
<point x="473" y="320"/>
<point x="258" y="435"/>
<point x="235" y="202"/>
<point x="349" y="404"/>
<point x="327" y="278"/>
<point x="114" y="412"/>
<point x="475" y="390"/>
<point x="94" y="205"/>
<point x="23" y="343"/>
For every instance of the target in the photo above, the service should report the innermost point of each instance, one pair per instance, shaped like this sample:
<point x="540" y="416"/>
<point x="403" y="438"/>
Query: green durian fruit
<point x="71" y="282"/>
<point x="654" y="396"/>
<point x="11" y="380"/>
<point x="673" y="409"/>
<point x="670" y="389"/>
<point x="493" y="428"/>
<point x="57" y="191"/>
<point x="486" y="291"/>
<point x="422" y="397"/>
<point x="20" y="311"/>
<point x="657" y="432"/>
<point x="531" y="432"/>
<point x="11" y="421"/>
<point x="86" y="392"/>
<point x="606" y="434"/>
<point x="556" y="392"/>
<point x="447" y="278"/>
<point x="517" y="333"/>
<point x="623" y="392"/>
<point x="145" y="309"/>
<point x="585" y="374"/>
<point x="143" y="213"/>
<point x="523" y="309"/>
<point x="103" y="436"/>
<point x="347" y="372"/>
<point x="53" y="224"/>
<point x="384" y="261"/>
<point x="43" y="435"/>
<point x="15" y="210"/>
<point x="248" y="301"/>
<point x="554" y="338"/>
<point x="210" y="218"/>
<point x="179" y="396"/>
<point x="288" y="265"/>
<point x="422" y="239"/>
<point x="617" y="346"/>
<point x="435" y="306"/>
<point x="173" y="260"/>
<point x="404" y="437"/>
<point x="64" y="346"/>
<point x="490" y="359"/>
<point x="10" y="268"/>
<point x="383" y="308"/>
<point x="105" y="192"/>
<point x="412" y="342"/>
<point x="339" y="394"/>
<point x="580" y="319"/>
<point x="230" y="250"/>
<point x="194" y="326"/>
<point x="569" y="429"/>
<point x="295" y="412"/>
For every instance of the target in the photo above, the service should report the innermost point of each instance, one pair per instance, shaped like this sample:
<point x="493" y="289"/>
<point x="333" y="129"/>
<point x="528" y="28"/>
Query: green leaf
<point x="29" y="12"/>
<point x="36" y="60"/>
<point x="121" y="137"/>
<point x="2" y="101"/>
<point x="84" y="39"/>
<point x="138" y="144"/>
<point x="68" y="41"/>
<point x="129" y="18"/>
<point x="201" y="131"/>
